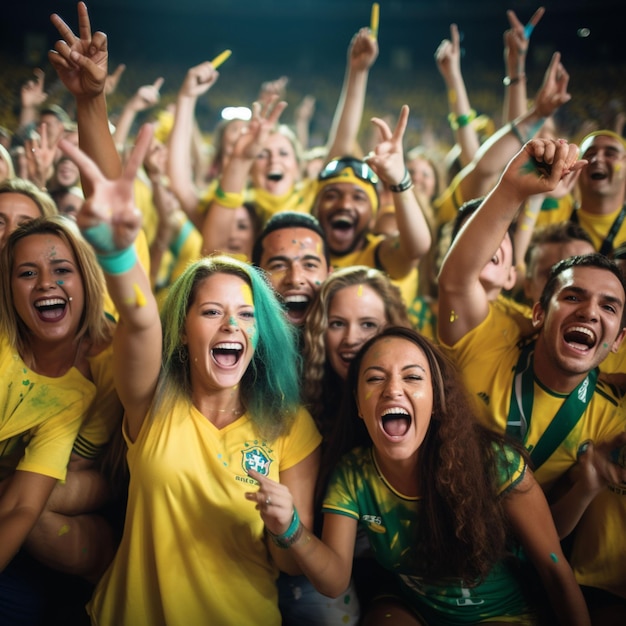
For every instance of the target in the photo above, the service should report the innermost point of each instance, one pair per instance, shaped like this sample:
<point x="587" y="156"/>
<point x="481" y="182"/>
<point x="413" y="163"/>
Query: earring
<point x="183" y="354"/>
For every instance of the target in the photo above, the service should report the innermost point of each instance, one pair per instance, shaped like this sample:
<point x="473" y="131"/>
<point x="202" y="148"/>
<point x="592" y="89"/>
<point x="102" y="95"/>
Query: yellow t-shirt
<point x="193" y="549"/>
<point x="41" y="416"/>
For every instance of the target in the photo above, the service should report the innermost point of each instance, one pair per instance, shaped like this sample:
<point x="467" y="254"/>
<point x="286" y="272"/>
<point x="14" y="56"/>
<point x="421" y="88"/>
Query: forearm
<point x="414" y="233"/>
<point x="348" y="115"/>
<point x="179" y="159"/>
<point x="14" y="528"/>
<point x="461" y="116"/>
<point x="124" y="124"/>
<point x="95" y="138"/>
<point x="565" y="595"/>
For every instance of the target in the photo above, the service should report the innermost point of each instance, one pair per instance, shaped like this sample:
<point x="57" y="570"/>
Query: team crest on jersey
<point x="256" y="458"/>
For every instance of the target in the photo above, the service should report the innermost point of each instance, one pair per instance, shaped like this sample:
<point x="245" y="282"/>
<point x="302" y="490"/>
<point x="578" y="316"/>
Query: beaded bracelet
<point x="291" y="535"/>
<point x="228" y="199"/>
<point x="459" y="121"/>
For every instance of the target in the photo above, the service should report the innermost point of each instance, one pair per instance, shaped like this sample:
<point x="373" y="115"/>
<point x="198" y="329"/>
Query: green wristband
<point x="118" y="262"/>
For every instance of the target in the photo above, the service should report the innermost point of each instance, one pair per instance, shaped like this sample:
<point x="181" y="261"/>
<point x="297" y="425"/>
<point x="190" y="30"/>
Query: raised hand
<point x="553" y="92"/>
<point x="387" y="159"/>
<point x="39" y="157"/>
<point x="32" y="93"/>
<point x="363" y="50"/>
<point x="448" y="54"/>
<point x="112" y="80"/>
<point x="81" y="62"/>
<point x="516" y="40"/>
<point x="146" y="96"/>
<point x="254" y="135"/>
<point x="199" y="80"/>
<point x="541" y="165"/>
<point x="109" y="219"/>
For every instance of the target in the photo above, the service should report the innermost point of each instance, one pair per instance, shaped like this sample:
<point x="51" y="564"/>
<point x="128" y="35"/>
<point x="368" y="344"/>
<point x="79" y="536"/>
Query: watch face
<point x="506" y="81"/>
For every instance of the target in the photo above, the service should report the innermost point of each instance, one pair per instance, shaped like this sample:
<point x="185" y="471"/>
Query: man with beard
<point x="544" y="389"/>
<point x="293" y="252"/>
<point x="347" y="201"/>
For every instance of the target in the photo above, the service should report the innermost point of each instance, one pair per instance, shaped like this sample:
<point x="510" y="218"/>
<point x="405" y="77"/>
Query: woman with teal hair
<point x="210" y="392"/>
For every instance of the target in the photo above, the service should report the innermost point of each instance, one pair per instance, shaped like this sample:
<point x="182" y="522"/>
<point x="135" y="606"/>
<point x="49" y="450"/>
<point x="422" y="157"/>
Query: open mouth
<point x="51" y="309"/>
<point x="396" y="421"/>
<point x="275" y="176"/>
<point x="341" y="222"/>
<point x="598" y="175"/>
<point x="580" y="338"/>
<point x="297" y="303"/>
<point x="227" y="354"/>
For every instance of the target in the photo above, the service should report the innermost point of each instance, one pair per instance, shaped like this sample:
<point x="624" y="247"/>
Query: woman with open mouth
<point x="451" y="510"/>
<point x="56" y="366"/>
<point x="210" y="391"/>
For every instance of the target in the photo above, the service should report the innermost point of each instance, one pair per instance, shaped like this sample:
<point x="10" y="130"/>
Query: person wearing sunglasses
<point x="347" y="202"/>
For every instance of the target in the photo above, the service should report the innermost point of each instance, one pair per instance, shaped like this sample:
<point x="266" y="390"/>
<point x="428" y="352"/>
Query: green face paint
<point x="232" y="321"/>
<point x="59" y="282"/>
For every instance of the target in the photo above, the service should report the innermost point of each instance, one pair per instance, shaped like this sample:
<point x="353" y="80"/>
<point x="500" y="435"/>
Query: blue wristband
<point x="118" y="262"/>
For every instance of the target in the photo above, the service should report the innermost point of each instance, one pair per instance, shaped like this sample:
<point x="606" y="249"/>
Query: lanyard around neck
<point x="607" y="245"/>
<point x="521" y="408"/>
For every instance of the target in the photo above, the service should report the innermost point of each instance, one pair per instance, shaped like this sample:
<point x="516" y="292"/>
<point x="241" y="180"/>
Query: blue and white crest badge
<point x="256" y="459"/>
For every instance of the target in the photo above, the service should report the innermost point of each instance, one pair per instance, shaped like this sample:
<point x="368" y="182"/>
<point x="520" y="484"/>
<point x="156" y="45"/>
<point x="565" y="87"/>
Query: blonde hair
<point x="6" y="156"/>
<point x="93" y="324"/>
<point x="43" y="200"/>
<point x="315" y="361"/>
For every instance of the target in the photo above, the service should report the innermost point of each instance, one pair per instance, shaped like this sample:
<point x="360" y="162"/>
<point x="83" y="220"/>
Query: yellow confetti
<point x="220" y="58"/>
<point x="359" y="291"/>
<point x="64" y="530"/>
<point x="453" y="317"/>
<point x="375" y="18"/>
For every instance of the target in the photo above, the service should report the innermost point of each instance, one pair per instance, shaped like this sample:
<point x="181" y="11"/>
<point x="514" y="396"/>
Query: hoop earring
<point x="183" y="354"/>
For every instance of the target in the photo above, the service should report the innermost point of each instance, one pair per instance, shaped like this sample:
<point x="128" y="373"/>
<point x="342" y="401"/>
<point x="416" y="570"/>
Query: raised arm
<point x="362" y="53"/>
<point x="32" y="96"/>
<point x="536" y="169"/>
<point x="516" y="41"/>
<point x="478" y="177"/>
<point x="146" y="97"/>
<point x="448" y="59"/>
<point x="398" y="255"/>
<point x="229" y="195"/>
<point x="82" y="65"/>
<point x="198" y="81"/>
<point x="110" y="222"/>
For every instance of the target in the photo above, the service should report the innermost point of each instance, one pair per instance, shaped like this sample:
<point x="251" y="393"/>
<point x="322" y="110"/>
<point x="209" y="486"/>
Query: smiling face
<point x="605" y="173"/>
<point x="345" y="212"/>
<point x="276" y="168"/>
<point x="582" y="325"/>
<point x="220" y="333"/>
<point x="15" y="209"/>
<point x="296" y="266"/>
<point x="395" y="398"/>
<point x="47" y="287"/>
<point x="355" y="314"/>
<point x="423" y="176"/>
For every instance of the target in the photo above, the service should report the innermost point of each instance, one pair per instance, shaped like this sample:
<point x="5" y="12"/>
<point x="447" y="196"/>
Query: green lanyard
<point x="521" y="408"/>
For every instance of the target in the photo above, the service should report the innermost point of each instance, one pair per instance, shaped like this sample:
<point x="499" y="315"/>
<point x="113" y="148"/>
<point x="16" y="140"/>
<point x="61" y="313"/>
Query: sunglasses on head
<point x="361" y="169"/>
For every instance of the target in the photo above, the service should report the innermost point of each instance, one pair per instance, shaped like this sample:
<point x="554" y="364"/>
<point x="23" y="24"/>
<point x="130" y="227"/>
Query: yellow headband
<point x="347" y="175"/>
<point x="588" y="140"/>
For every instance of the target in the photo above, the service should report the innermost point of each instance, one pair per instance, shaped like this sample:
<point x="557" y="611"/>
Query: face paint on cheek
<point x="617" y="168"/>
<point x="368" y="395"/>
<point x="253" y="335"/>
<point x="605" y="345"/>
<point x="60" y="283"/>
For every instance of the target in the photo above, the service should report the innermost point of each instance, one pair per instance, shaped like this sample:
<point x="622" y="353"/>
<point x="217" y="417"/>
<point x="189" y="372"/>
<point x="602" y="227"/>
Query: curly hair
<point x="93" y="323"/>
<point x="320" y="381"/>
<point x="270" y="386"/>
<point x="464" y="530"/>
